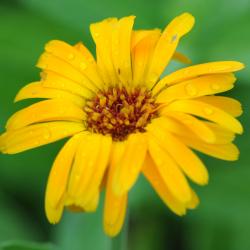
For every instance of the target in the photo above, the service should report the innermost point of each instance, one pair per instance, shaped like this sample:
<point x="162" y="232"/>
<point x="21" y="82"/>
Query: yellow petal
<point x="219" y="134"/>
<point x="85" y="53"/>
<point x="208" y="112"/>
<point x="181" y="57"/>
<point x="141" y="55"/>
<point x="44" y="111"/>
<point x="190" y="164"/>
<point x="228" y="152"/>
<point x="114" y="206"/>
<point x="85" y="161"/>
<point x="36" y="90"/>
<point x="92" y="204"/>
<point x="121" y="49"/>
<point x="138" y="35"/>
<point x="79" y="57"/>
<point x="169" y="171"/>
<point x="194" y="202"/>
<point x="167" y="44"/>
<point x="198" y="127"/>
<point x="12" y="142"/>
<point x="129" y="166"/>
<point x="114" y="214"/>
<point x="49" y="62"/>
<point x="198" y="70"/>
<point x="55" y="81"/>
<point x="151" y="173"/>
<point x="54" y="214"/>
<point x="222" y="136"/>
<point x="200" y="86"/>
<point x="229" y="105"/>
<point x="102" y="34"/>
<point x="97" y="172"/>
<point x="58" y="179"/>
<point x="74" y="205"/>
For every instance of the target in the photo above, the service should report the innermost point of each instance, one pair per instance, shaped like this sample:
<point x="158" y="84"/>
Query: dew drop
<point x="31" y="133"/>
<point x="174" y="37"/>
<point x="208" y="111"/>
<point x="96" y="34"/>
<point x="37" y="142"/>
<point x="191" y="89"/>
<point x="215" y="86"/>
<point x="71" y="56"/>
<point x="83" y="66"/>
<point x="46" y="136"/>
<point x="61" y="110"/>
<point x="62" y="85"/>
<point x="43" y="75"/>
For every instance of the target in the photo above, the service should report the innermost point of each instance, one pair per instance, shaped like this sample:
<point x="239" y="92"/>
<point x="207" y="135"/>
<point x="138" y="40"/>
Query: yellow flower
<point x="123" y="119"/>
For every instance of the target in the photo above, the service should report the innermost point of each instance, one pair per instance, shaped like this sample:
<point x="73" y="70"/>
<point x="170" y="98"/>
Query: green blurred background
<point x="222" y="221"/>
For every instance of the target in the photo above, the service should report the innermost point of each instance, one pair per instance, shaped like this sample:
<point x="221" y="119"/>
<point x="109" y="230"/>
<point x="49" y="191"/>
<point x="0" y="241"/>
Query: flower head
<point x="123" y="119"/>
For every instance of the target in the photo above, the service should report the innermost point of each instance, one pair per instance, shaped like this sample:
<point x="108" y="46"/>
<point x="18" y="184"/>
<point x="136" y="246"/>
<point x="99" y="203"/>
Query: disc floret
<point x="119" y="111"/>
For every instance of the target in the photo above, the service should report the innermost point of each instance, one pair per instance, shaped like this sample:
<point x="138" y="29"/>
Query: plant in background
<point x="123" y="119"/>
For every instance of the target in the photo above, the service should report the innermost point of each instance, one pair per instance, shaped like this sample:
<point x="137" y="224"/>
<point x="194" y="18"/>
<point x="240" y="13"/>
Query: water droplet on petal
<point x="208" y="111"/>
<point x="71" y="56"/>
<point x="62" y="110"/>
<point x="191" y="89"/>
<point x="46" y="136"/>
<point x="31" y="133"/>
<point x="83" y="66"/>
<point x="37" y="142"/>
<point x="96" y="34"/>
<point x="215" y="86"/>
<point x="174" y="37"/>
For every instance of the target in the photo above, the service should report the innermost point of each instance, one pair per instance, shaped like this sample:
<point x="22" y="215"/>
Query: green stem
<point x="120" y="242"/>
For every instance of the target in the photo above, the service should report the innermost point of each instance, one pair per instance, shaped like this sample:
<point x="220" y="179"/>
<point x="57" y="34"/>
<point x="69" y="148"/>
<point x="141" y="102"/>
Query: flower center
<point x="120" y="112"/>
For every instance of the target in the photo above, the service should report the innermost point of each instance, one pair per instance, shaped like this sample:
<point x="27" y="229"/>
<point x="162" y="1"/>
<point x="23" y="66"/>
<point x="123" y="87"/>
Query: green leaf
<point x="22" y="245"/>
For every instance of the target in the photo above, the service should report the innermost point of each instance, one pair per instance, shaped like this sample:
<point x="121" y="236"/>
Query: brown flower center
<point x="120" y="112"/>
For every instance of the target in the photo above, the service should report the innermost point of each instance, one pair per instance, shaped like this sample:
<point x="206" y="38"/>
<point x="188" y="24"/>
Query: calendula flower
<point x="124" y="118"/>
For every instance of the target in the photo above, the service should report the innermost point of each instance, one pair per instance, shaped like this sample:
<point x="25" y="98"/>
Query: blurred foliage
<point x="20" y="245"/>
<point x="222" y="220"/>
